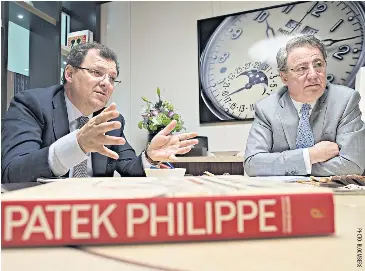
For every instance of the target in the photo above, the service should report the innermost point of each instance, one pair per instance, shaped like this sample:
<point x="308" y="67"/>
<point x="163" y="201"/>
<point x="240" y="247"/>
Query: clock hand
<point x="309" y="11"/>
<point x="269" y="29"/>
<point x="247" y="86"/>
<point x="329" y="42"/>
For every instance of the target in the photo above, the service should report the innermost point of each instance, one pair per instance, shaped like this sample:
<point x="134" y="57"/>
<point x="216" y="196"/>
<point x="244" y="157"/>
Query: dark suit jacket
<point x="38" y="117"/>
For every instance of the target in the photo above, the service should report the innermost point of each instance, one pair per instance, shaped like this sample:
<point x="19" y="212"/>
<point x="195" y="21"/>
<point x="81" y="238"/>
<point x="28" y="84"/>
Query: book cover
<point x="153" y="210"/>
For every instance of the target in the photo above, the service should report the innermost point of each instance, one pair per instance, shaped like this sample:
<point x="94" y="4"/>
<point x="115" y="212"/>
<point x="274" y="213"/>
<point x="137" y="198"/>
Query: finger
<point x="183" y="150"/>
<point x="107" y="126"/>
<point x="172" y="157"/>
<point x="168" y="129"/>
<point x="187" y="136"/>
<point x="111" y="107"/>
<point x="105" y="116"/>
<point x="111" y="140"/>
<point x="190" y="142"/>
<point x="107" y="152"/>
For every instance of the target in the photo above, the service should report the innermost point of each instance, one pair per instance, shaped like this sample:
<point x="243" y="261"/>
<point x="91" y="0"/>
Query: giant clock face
<point x="232" y="82"/>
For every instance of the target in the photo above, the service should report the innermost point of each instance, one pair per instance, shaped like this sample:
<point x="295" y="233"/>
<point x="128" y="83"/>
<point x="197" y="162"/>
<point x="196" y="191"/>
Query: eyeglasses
<point x="318" y="66"/>
<point x="101" y="76"/>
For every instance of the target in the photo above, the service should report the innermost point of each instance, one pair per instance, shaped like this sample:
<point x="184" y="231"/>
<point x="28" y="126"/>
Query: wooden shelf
<point x="36" y="11"/>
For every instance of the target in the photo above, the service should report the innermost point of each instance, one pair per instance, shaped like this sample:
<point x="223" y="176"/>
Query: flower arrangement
<point x="158" y="115"/>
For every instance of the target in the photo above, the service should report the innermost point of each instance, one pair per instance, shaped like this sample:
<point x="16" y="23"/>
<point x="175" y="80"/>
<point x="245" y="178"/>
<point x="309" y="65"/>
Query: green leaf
<point x="140" y="124"/>
<point x="158" y="92"/>
<point x="146" y="100"/>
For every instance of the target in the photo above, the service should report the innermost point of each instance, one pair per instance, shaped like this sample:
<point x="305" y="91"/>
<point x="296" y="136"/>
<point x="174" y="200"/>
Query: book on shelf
<point x="156" y="210"/>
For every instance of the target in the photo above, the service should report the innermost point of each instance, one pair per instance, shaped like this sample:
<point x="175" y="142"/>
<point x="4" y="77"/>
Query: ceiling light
<point x="20" y="16"/>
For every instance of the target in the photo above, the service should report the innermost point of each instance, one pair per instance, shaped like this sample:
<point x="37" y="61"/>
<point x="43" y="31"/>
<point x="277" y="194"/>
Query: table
<point x="332" y="253"/>
<point x="217" y="165"/>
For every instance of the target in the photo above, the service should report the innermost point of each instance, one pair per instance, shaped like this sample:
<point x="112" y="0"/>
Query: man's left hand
<point x="164" y="146"/>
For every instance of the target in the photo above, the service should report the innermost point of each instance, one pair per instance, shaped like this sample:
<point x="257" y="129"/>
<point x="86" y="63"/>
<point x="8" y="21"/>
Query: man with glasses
<point x="66" y="131"/>
<point x="309" y="126"/>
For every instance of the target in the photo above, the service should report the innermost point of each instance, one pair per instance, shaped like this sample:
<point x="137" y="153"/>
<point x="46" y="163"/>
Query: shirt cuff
<point x="145" y="162"/>
<point x="65" y="153"/>
<point x="307" y="161"/>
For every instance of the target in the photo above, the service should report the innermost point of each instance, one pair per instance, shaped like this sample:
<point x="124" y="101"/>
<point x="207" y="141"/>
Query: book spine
<point x="120" y="221"/>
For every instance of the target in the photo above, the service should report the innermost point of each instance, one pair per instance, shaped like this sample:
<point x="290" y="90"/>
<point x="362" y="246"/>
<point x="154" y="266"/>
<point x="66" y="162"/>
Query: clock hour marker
<point x="287" y="9"/>
<point x="230" y="30"/>
<point x="236" y="33"/>
<point x="262" y="16"/>
<point x="223" y="57"/>
<point x="350" y="18"/>
<point x="223" y="70"/>
<point x="336" y="25"/>
<point x="214" y="57"/>
<point x="355" y="51"/>
<point x="212" y="84"/>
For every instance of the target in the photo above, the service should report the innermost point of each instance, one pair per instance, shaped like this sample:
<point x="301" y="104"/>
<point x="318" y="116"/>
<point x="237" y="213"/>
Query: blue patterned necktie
<point x="80" y="170"/>
<point x="305" y="138"/>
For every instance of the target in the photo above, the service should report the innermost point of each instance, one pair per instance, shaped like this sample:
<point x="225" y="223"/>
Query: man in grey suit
<point x="309" y="126"/>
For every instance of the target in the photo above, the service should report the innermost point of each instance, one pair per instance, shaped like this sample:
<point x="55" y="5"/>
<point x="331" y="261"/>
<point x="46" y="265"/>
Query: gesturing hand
<point x="165" y="146"/>
<point x="91" y="137"/>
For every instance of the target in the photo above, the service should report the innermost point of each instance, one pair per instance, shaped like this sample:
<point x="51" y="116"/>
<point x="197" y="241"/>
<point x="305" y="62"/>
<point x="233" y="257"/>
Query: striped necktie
<point x="80" y="170"/>
<point x="305" y="138"/>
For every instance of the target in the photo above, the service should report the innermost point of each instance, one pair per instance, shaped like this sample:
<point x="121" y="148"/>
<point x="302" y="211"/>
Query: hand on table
<point x="164" y="146"/>
<point x="323" y="151"/>
<point x="91" y="137"/>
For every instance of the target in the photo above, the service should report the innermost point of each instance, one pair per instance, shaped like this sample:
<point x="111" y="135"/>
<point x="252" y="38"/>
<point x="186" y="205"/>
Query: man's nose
<point x="312" y="72"/>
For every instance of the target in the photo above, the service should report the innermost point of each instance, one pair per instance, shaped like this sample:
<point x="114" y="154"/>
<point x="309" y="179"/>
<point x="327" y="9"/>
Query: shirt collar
<point x="298" y="105"/>
<point x="72" y="112"/>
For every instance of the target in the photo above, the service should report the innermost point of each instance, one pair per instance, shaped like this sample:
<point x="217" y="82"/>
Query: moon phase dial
<point x="235" y="94"/>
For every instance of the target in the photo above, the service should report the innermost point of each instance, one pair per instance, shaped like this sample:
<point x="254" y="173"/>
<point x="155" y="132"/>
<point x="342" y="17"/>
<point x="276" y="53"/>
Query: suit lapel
<point x="289" y="119"/>
<point x="317" y="118"/>
<point x="60" y="119"/>
<point x="99" y="164"/>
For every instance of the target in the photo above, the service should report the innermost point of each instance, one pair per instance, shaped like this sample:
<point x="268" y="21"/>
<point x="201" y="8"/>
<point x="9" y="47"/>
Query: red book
<point x="133" y="210"/>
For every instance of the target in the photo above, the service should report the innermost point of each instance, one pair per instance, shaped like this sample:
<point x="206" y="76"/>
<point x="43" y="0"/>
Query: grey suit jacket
<point x="336" y="117"/>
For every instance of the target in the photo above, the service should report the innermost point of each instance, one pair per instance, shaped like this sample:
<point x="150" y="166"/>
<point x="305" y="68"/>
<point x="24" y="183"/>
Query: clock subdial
<point x="236" y="94"/>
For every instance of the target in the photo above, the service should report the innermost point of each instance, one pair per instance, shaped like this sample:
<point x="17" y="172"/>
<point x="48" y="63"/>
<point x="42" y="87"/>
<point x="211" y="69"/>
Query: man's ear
<point x="69" y="73"/>
<point x="284" y="77"/>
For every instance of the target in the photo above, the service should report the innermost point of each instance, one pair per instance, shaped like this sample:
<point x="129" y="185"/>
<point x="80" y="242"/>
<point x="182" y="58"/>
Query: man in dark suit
<point x="309" y="126"/>
<point x="67" y="131"/>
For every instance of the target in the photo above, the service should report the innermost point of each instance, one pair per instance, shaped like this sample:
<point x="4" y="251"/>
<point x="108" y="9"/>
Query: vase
<point x="150" y="136"/>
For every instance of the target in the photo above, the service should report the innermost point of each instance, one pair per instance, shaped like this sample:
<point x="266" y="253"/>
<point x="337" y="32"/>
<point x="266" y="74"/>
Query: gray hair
<point x="77" y="55"/>
<point x="301" y="41"/>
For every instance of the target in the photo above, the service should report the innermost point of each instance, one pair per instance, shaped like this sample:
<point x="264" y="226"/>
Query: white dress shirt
<point x="298" y="106"/>
<point x="65" y="153"/>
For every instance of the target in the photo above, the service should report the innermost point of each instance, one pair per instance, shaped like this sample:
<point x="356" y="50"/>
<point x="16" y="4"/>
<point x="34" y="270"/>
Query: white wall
<point x="156" y="43"/>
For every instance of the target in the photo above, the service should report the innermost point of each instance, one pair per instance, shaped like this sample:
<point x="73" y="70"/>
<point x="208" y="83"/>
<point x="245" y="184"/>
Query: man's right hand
<point x="323" y="151"/>
<point x="91" y="137"/>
